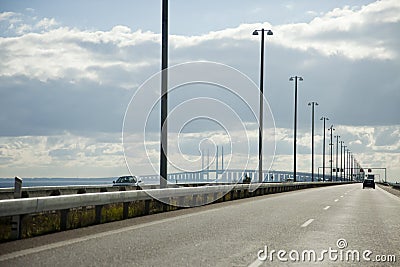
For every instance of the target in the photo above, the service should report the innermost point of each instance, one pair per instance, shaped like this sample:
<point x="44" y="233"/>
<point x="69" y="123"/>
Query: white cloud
<point x="11" y="17"/>
<point x="46" y="23"/>
<point x="70" y="53"/>
<point x="7" y="15"/>
<point x="33" y="156"/>
<point x="329" y="34"/>
<point x="21" y="28"/>
<point x="58" y="52"/>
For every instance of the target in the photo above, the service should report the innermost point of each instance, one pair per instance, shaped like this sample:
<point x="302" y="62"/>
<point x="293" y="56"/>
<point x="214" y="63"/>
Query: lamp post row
<point x="296" y="79"/>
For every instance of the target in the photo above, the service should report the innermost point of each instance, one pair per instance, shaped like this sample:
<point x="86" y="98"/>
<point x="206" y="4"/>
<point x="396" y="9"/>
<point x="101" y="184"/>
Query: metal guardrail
<point x="10" y="207"/>
<point x="46" y="191"/>
<point x="64" y="204"/>
<point x="41" y="204"/>
<point x="395" y="185"/>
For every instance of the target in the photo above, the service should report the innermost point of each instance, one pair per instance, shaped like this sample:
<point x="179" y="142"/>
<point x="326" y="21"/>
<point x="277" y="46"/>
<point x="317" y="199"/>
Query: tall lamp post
<point x="341" y="159"/>
<point x="337" y="155"/>
<point x="323" y="148"/>
<point x="348" y="164"/>
<point x="331" y="146"/>
<point x="355" y="169"/>
<point x="164" y="98"/>
<point x="295" y="79"/>
<point x="260" y="130"/>
<point x="344" y="161"/>
<point x="312" y="104"/>
<point x="351" y="165"/>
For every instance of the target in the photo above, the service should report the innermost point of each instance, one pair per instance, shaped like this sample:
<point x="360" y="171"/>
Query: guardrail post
<point x="147" y="206"/>
<point x="125" y="210"/>
<point x="98" y="213"/>
<point x="63" y="219"/>
<point x="16" y="219"/>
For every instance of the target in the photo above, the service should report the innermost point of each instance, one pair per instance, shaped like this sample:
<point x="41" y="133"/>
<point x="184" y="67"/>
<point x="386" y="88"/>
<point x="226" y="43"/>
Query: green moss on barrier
<point x="136" y="208"/>
<point x="81" y="217"/>
<point x="5" y="228"/>
<point x="112" y="212"/>
<point x="155" y="207"/>
<point x="39" y="224"/>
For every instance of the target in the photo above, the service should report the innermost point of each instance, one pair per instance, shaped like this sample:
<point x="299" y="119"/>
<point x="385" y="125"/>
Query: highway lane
<point x="229" y="234"/>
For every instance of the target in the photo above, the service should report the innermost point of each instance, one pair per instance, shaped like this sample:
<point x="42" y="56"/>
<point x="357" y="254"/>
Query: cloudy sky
<point x="69" y="70"/>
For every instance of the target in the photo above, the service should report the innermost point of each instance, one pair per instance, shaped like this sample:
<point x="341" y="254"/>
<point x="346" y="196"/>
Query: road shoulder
<point x="389" y="189"/>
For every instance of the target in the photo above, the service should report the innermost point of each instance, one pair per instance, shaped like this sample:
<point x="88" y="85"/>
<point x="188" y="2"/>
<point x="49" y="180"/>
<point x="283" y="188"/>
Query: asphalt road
<point x="234" y="234"/>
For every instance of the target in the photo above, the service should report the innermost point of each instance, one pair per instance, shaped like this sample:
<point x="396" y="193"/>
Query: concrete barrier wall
<point x="395" y="186"/>
<point x="58" y="213"/>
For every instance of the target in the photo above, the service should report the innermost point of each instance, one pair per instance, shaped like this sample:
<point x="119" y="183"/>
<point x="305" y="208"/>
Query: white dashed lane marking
<point x="307" y="223"/>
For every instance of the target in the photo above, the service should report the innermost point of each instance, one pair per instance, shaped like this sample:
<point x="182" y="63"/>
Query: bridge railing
<point x="230" y="176"/>
<point x="70" y="211"/>
<point x="205" y="177"/>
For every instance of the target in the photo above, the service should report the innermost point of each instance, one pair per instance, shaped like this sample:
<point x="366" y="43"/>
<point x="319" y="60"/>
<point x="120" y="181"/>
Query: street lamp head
<point x="269" y="32"/>
<point x="296" y="77"/>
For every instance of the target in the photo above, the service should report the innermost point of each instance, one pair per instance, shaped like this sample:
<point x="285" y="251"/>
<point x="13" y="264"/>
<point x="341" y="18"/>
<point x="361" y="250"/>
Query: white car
<point x="126" y="181"/>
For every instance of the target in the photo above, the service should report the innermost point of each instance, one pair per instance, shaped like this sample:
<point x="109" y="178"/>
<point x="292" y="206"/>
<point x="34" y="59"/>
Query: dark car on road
<point x="126" y="181"/>
<point x="369" y="183"/>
